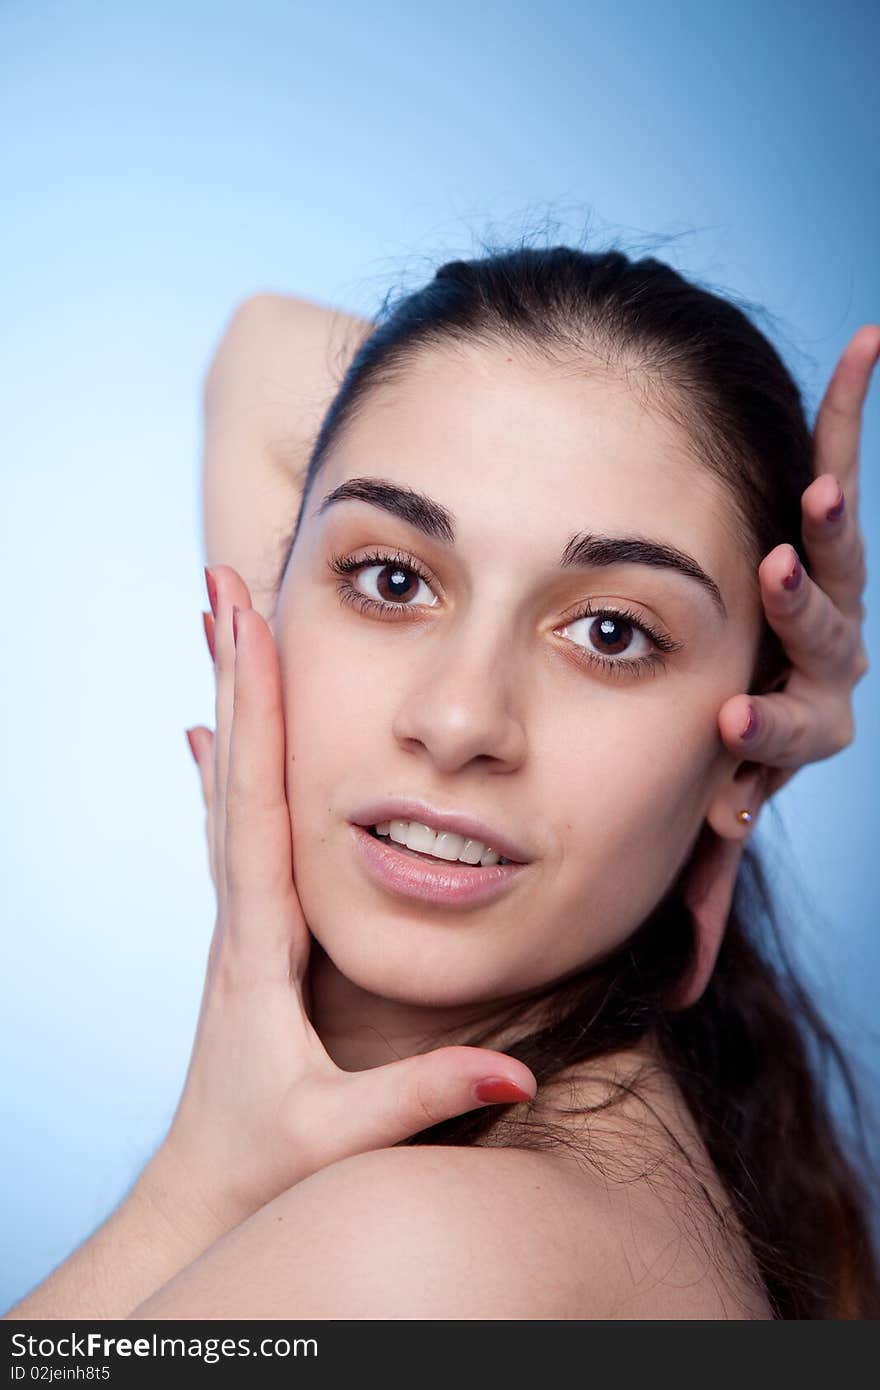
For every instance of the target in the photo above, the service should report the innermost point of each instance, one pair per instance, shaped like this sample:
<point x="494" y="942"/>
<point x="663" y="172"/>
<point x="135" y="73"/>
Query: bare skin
<point x="311" y="1238"/>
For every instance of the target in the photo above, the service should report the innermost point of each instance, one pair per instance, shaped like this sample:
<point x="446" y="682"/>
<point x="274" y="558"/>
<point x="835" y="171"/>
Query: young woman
<point x="486" y="1031"/>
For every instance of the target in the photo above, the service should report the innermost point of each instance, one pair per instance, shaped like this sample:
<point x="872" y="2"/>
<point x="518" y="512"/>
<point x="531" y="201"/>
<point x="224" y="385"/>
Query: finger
<point x="819" y="640"/>
<point x="838" y="426"/>
<point x="789" y="730"/>
<point x="380" y="1106"/>
<point x="834" y="546"/>
<point x="226" y="589"/>
<point x="777" y="778"/>
<point x="201" y="742"/>
<point x="208" y="623"/>
<point x="264" y="919"/>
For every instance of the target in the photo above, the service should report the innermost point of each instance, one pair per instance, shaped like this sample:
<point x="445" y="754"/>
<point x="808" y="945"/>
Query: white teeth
<point x="441" y="844"/>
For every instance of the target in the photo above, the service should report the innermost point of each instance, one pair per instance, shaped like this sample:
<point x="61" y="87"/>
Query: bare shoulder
<point x="448" y="1233"/>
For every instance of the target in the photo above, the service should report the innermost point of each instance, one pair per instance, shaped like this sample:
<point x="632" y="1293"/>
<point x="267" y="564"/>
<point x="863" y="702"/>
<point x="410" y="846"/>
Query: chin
<point x="407" y="971"/>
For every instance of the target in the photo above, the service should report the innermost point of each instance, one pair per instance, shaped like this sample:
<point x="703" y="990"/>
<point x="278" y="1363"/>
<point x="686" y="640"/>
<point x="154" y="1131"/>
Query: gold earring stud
<point x="745" y="817"/>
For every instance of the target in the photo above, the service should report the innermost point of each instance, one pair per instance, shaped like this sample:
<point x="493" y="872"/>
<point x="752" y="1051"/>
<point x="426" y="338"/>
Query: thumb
<point x="378" y="1107"/>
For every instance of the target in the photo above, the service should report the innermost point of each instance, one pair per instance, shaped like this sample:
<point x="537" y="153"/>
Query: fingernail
<point x="208" y="624"/>
<point x="751" y="725"/>
<point x="211" y="585"/>
<point x="792" y="580"/>
<point x="494" y="1089"/>
<point x="837" y="510"/>
<point x="192" y="747"/>
<point x="235" y="625"/>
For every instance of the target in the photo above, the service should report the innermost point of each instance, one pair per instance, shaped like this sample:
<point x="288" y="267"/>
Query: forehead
<point x="516" y="447"/>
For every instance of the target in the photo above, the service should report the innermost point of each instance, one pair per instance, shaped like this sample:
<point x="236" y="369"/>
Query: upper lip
<point x="413" y="809"/>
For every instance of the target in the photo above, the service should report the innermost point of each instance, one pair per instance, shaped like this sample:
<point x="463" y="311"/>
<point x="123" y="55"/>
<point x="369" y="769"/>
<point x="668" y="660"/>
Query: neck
<point x="360" y="1030"/>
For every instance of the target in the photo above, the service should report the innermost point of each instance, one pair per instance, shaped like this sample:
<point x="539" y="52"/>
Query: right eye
<point x="398" y="578"/>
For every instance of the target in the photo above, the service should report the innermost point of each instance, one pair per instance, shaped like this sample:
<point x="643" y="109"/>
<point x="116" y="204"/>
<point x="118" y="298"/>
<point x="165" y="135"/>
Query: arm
<point x="266" y="391"/>
<point x="150" y="1236"/>
<point x="264" y="395"/>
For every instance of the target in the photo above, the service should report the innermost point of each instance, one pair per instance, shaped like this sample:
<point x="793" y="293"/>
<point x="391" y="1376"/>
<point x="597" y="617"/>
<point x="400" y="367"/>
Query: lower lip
<point x="448" y="883"/>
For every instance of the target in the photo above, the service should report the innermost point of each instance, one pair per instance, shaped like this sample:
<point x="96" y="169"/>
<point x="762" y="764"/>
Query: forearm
<point x="267" y="389"/>
<point x="153" y="1234"/>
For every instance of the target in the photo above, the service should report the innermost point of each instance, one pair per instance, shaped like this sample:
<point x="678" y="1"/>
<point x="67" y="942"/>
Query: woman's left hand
<point x="819" y="623"/>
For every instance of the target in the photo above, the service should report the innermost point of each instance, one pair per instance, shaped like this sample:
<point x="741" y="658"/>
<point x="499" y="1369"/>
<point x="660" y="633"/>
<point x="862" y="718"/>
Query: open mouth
<point x="418" y="854"/>
<point x="408" y="873"/>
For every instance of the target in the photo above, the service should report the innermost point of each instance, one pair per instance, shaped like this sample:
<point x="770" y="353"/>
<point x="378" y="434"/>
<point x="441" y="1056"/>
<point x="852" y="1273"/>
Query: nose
<point x="464" y="703"/>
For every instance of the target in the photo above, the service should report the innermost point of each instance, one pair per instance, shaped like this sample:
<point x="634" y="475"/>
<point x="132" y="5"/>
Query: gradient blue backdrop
<point x="159" y="163"/>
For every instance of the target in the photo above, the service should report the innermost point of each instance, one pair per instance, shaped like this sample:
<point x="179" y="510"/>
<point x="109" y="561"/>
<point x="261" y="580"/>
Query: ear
<point x="708" y="888"/>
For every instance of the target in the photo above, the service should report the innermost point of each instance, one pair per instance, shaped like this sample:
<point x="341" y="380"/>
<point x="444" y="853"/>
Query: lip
<point x="450" y="884"/>
<point x="411" y="808"/>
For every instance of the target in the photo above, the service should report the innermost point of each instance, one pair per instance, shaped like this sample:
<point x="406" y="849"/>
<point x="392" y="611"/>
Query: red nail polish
<point x="495" y="1089"/>
<point x="792" y="580"/>
<point x="235" y="625"/>
<point x="211" y="585"/>
<point x="208" y="624"/>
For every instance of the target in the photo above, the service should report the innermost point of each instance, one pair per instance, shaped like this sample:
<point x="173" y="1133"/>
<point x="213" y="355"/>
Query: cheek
<point x="624" y="759"/>
<point x="626" y="802"/>
<point x="325" y="715"/>
<point x="324" y="732"/>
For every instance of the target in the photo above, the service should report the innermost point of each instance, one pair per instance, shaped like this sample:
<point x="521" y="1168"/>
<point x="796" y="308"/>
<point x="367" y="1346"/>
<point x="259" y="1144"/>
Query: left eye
<point x="612" y="634"/>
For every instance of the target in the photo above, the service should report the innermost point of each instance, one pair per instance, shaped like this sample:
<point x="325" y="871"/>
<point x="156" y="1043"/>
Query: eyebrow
<point x="583" y="551"/>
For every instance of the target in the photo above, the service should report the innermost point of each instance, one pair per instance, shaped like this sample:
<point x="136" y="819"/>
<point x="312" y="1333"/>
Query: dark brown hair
<point x="748" y="1055"/>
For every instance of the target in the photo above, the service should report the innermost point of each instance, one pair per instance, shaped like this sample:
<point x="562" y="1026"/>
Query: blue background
<point x="160" y="163"/>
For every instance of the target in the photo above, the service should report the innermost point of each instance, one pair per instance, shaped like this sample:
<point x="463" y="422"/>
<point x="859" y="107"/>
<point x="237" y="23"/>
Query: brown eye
<point x="612" y="638"/>
<point x="610" y="635"/>
<point x="394" y="583"/>
<point x="395" y="579"/>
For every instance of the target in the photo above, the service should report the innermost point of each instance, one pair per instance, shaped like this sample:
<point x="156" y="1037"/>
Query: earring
<point x="744" y="816"/>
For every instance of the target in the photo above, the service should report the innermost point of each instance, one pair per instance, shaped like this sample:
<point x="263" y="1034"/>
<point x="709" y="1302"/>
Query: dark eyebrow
<point x="583" y="550"/>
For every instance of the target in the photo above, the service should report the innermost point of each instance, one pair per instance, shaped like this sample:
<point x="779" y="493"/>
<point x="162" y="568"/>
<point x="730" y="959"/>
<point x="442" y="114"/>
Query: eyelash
<point x="344" y="566"/>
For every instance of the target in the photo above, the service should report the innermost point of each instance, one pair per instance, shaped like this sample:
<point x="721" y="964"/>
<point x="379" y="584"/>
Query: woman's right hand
<point x="263" y="1104"/>
<point x="820" y="627"/>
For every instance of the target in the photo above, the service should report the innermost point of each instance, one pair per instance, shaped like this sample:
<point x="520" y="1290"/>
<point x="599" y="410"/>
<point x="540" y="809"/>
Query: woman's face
<point x="483" y="691"/>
